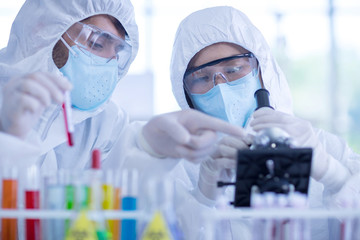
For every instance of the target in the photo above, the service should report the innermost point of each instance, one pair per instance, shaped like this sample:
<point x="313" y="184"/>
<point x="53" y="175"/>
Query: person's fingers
<point x="262" y="126"/>
<point x="249" y="139"/>
<point x="202" y="139"/>
<point x="61" y="82"/>
<point x="29" y="103"/>
<point x="197" y="120"/>
<point x="227" y="163"/>
<point x="235" y="142"/>
<point x="226" y="151"/>
<point x="195" y="156"/>
<point x="36" y="90"/>
<point x="275" y="117"/>
<point x="55" y="92"/>
<point x="173" y="129"/>
<point x="263" y="111"/>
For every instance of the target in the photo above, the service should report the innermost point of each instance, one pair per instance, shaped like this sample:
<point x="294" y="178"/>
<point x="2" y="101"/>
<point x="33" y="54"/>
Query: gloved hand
<point x="186" y="134"/>
<point x="26" y="97"/>
<point x="299" y="130"/>
<point x="221" y="165"/>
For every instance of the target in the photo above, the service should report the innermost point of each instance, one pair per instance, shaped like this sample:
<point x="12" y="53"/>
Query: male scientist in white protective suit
<point x="212" y="49"/>
<point x="92" y="44"/>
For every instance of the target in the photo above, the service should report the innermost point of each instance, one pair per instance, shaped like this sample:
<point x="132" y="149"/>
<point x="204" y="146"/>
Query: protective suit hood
<point x="40" y="24"/>
<point x="225" y="24"/>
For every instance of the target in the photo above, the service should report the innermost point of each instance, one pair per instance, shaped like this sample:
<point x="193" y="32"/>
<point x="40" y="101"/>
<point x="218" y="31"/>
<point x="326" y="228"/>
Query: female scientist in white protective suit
<point x="92" y="43"/>
<point x="219" y="60"/>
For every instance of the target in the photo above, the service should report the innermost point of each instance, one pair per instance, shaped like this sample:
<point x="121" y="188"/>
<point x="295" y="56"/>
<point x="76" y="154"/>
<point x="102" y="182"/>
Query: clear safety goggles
<point x="103" y="44"/>
<point x="200" y="80"/>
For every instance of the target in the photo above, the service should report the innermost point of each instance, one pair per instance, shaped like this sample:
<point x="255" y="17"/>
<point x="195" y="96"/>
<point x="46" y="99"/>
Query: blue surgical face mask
<point x="233" y="103"/>
<point x="93" y="78"/>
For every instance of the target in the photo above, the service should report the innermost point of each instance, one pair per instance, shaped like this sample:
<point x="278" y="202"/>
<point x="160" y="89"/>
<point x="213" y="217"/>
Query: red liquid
<point x="9" y="201"/>
<point x="33" y="226"/>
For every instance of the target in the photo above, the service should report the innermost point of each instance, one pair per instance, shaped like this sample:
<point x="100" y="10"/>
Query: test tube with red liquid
<point x="9" y="201"/>
<point x="32" y="201"/>
<point x="69" y="126"/>
<point x="95" y="181"/>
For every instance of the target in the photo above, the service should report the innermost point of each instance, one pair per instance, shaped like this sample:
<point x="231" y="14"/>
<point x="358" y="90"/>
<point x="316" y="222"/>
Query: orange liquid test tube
<point x="9" y="201"/>
<point x="117" y="206"/>
<point x="116" y="231"/>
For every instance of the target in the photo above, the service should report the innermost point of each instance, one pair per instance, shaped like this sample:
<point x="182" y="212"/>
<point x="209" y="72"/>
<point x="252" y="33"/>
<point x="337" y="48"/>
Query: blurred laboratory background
<point x="316" y="43"/>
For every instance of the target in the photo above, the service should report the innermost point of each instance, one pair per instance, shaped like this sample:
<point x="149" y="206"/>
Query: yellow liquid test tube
<point x="108" y="197"/>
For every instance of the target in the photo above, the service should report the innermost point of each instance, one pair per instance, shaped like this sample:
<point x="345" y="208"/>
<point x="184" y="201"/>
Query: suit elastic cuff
<point x="202" y="198"/>
<point x="144" y="145"/>
<point x="335" y="176"/>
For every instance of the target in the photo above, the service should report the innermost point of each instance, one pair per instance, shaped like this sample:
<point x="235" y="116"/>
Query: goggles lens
<point x="101" y="43"/>
<point x="201" y="79"/>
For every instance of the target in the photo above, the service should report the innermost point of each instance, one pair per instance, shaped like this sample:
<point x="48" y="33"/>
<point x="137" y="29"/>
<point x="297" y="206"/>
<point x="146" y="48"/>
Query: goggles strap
<point x="68" y="46"/>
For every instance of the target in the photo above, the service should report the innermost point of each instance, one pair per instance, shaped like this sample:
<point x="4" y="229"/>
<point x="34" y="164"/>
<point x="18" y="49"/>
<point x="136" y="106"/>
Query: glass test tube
<point x="96" y="198"/>
<point x="55" y="200"/>
<point x="117" y="205"/>
<point x="129" y="202"/>
<point x="108" y="196"/>
<point x="257" y="202"/>
<point x="299" y="227"/>
<point x="69" y="195"/>
<point x="82" y="191"/>
<point x="9" y="201"/>
<point x="95" y="178"/>
<point x="32" y="201"/>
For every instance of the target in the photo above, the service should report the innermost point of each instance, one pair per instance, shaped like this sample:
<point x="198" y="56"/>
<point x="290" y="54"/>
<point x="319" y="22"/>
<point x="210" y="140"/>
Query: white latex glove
<point x="26" y="97"/>
<point x="299" y="130"/>
<point x="186" y="134"/>
<point x="221" y="165"/>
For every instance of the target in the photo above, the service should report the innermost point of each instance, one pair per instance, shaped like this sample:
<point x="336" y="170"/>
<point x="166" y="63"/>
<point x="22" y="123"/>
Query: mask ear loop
<point x="68" y="46"/>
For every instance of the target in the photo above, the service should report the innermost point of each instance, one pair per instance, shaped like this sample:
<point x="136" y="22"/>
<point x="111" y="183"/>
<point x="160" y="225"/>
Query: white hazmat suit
<point x="226" y="24"/>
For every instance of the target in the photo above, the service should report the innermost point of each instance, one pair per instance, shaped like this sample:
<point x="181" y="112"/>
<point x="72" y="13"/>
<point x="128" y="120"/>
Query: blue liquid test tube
<point x="129" y="202"/>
